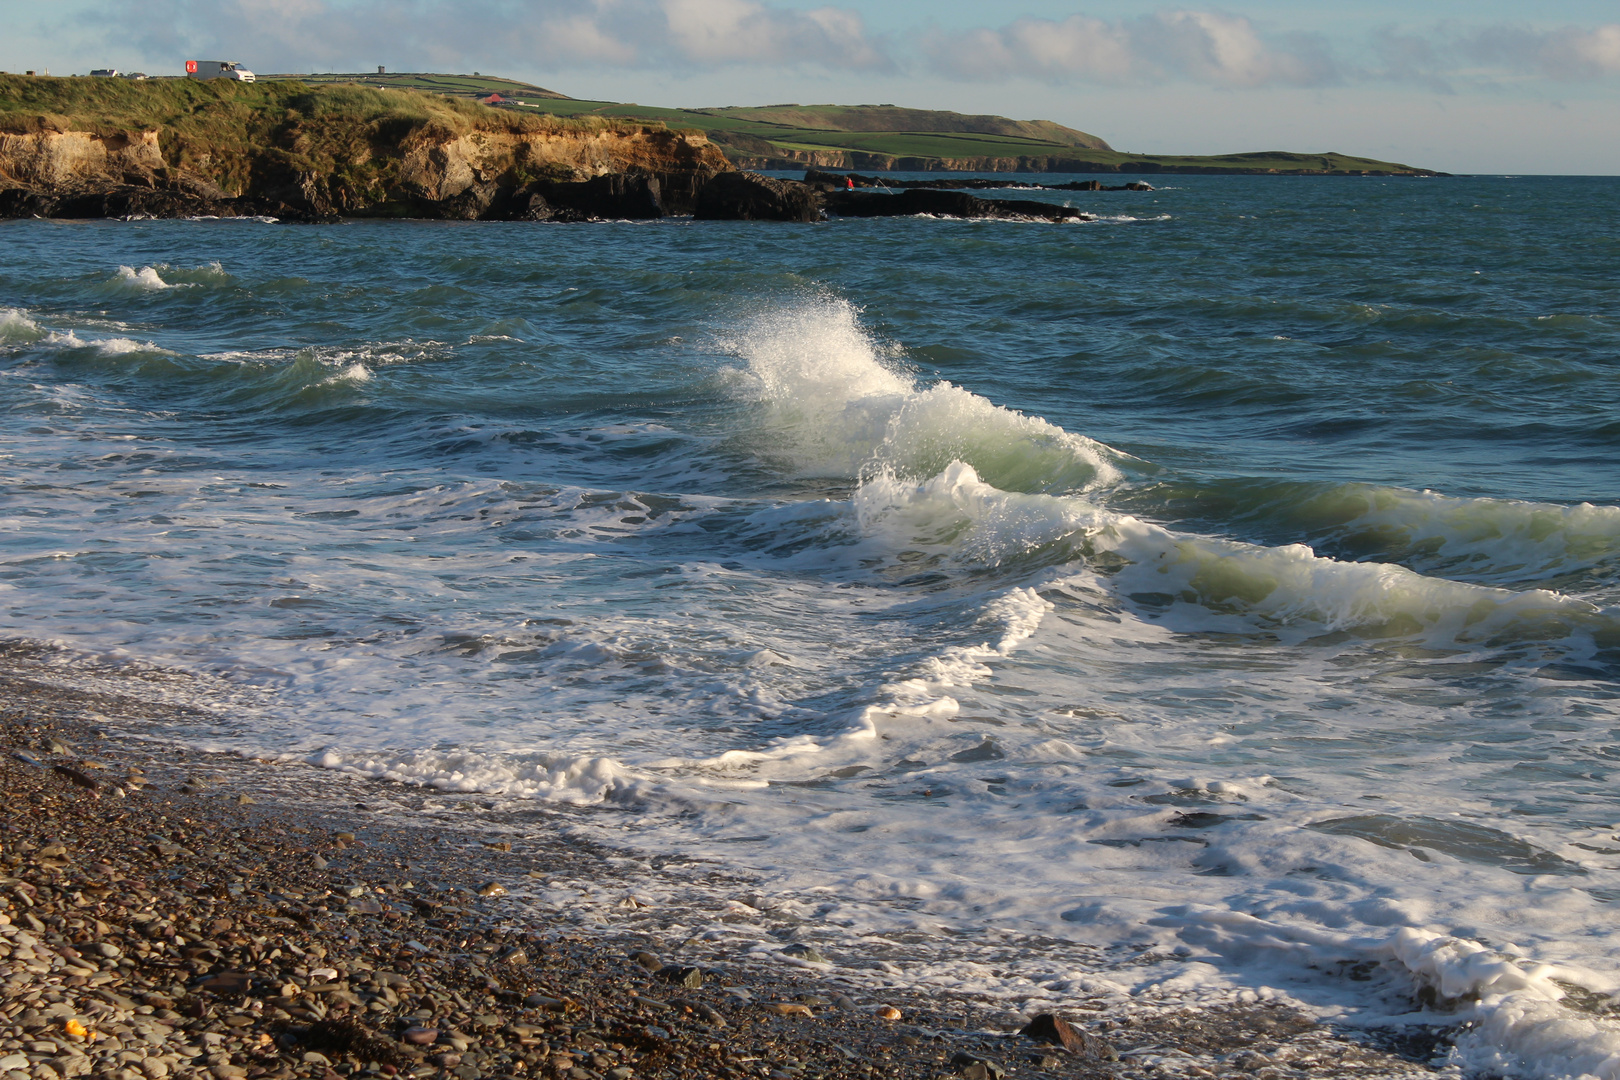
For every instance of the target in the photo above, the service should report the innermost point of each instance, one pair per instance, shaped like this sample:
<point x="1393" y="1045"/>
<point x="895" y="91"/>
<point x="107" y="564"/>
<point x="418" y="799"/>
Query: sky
<point x="1484" y="86"/>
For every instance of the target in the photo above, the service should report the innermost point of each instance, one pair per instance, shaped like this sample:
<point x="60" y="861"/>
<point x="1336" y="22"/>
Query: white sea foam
<point x="16" y="328"/>
<point x="124" y="346"/>
<point x="145" y="279"/>
<point x="1508" y="540"/>
<point x="839" y="407"/>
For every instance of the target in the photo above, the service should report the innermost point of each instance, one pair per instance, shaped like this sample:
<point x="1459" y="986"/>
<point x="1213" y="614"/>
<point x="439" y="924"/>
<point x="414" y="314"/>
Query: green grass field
<point x="463" y="86"/>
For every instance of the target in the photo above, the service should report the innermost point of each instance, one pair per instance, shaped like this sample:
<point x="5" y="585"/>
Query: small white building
<point x="104" y="73"/>
<point x="218" y="69"/>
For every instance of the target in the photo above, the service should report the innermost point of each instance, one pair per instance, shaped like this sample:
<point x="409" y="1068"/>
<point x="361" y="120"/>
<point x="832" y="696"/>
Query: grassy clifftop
<point x="463" y="86"/>
<point x="232" y="131"/>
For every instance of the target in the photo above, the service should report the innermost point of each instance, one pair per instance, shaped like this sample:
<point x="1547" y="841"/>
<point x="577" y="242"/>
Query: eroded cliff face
<point x="480" y="174"/>
<point x="68" y="157"/>
<point x="442" y="170"/>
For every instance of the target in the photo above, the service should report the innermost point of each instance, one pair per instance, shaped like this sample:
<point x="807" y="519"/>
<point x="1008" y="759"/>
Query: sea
<point x="1217" y="601"/>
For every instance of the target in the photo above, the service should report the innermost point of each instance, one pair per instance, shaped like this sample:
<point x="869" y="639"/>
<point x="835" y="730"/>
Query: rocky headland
<point x="80" y="148"/>
<point x="108" y="148"/>
<point x="98" y="148"/>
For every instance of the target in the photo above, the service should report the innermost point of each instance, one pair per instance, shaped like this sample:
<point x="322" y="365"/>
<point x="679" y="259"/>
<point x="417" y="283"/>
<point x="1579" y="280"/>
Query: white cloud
<point x="305" y="35"/>
<point x="1207" y="47"/>
<point x="1214" y="48"/>
<point x="1574" y="53"/>
<point x="742" y="31"/>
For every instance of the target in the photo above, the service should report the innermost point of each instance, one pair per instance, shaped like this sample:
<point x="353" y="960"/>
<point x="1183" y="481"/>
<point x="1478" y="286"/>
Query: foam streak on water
<point x="1248" y="621"/>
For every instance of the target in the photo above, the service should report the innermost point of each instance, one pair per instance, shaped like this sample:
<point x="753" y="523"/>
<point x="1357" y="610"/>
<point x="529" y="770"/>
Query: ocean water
<point x="1221" y="598"/>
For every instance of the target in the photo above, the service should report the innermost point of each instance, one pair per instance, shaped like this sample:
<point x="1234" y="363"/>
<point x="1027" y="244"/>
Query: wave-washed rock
<point x="749" y="196"/>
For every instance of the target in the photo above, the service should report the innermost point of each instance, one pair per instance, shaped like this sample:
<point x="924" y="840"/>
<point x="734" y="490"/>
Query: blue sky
<point x="1485" y="86"/>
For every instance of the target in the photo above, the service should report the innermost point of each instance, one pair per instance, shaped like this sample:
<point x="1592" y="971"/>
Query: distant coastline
<point x="301" y="151"/>
<point x="880" y="138"/>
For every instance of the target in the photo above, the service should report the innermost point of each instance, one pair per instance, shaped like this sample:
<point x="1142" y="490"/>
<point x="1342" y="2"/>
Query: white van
<point x="218" y="69"/>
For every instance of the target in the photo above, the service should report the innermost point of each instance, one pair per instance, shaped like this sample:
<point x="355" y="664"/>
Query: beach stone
<point x="973" y="1067"/>
<point x="13" y="1061"/>
<point x="74" y="776"/>
<point x="155" y="1068"/>
<point x="689" y="977"/>
<point x="800" y="951"/>
<point x="226" y="982"/>
<point x="493" y="888"/>
<point x="1049" y="1028"/>
<point x="647" y="960"/>
<point x="228" y="1072"/>
<point x="420" y="1036"/>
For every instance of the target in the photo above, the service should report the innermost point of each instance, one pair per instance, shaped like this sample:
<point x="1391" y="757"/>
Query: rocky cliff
<point x="306" y="154"/>
<point x="480" y="174"/>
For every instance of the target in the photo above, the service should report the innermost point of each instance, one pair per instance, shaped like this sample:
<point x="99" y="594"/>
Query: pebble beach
<point x="168" y="913"/>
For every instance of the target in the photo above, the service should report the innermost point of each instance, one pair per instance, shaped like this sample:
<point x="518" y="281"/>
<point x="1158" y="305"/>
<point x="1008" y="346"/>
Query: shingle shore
<point x="154" y="924"/>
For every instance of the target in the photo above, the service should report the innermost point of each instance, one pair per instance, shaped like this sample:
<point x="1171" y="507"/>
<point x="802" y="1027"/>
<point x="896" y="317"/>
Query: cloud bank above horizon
<point x="1211" y="48"/>
<point x="1205" y="71"/>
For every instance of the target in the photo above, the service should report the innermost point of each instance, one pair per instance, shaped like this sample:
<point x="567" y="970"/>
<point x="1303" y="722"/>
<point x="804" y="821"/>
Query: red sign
<point x="191" y="67"/>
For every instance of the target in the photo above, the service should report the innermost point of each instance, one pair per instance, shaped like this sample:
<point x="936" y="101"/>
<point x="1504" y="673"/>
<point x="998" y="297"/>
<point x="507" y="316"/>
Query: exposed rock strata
<point x="616" y="172"/>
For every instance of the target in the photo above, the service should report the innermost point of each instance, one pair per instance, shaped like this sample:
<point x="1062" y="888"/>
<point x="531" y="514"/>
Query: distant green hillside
<point x="877" y="137"/>
<point x="887" y="137"/>
<point x="768" y="131"/>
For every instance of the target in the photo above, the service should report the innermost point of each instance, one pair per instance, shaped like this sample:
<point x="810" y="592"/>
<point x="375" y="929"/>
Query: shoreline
<point x="259" y="912"/>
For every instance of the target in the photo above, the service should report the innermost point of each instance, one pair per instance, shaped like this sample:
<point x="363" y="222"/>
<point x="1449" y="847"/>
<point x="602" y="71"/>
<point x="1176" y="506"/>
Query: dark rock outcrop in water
<point x="746" y="196"/>
<point x="752" y="197"/>
<point x="956" y="204"/>
<point x="830" y="181"/>
<point x="617" y="196"/>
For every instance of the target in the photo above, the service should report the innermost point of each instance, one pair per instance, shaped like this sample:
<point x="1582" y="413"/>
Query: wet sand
<point x="171" y="913"/>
